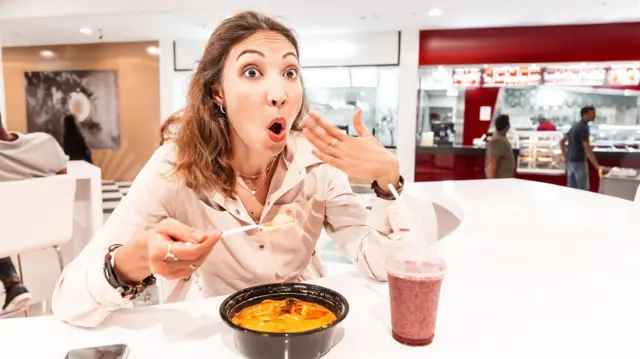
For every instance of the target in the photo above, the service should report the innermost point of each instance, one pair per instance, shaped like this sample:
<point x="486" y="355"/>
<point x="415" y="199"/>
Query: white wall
<point x="180" y="89"/>
<point x="363" y="49"/>
<point x="408" y="102"/>
<point x="188" y="52"/>
<point x="167" y="82"/>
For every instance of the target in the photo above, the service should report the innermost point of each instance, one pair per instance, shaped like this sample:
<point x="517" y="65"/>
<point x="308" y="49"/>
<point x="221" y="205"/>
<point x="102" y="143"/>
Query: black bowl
<point x="311" y="344"/>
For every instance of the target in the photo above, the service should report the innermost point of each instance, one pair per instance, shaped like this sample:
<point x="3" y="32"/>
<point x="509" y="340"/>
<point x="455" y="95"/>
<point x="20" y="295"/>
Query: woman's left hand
<point x="361" y="157"/>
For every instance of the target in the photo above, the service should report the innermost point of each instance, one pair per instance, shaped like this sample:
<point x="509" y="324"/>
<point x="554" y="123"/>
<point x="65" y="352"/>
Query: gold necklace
<point x="244" y="185"/>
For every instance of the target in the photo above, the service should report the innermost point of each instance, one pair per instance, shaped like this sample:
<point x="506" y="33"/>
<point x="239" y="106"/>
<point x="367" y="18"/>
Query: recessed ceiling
<point x="37" y="22"/>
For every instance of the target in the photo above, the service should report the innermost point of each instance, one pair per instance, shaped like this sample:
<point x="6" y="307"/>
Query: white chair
<point x="36" y="214"/>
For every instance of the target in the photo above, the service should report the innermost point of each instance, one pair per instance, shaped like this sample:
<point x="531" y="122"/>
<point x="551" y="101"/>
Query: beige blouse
<point x="319" y="194"/>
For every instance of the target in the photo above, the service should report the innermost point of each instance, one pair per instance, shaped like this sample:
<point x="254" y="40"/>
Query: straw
<point x="419" y="225"/>
<point x="397" y="195"/>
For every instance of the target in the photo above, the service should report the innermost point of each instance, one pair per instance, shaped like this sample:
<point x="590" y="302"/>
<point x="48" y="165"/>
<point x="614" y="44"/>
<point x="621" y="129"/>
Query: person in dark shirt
<point x="500" y="161"/>
<point x="576" y="150"/>
<point x="73" y="142"/>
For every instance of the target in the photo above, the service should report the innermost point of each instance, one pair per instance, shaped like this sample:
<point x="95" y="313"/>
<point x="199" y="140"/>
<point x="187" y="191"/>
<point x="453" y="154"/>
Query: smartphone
<point x="118" y="351"/>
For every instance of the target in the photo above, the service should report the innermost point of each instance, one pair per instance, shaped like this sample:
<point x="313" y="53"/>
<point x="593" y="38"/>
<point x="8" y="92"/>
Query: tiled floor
<point x="112" y="193"/>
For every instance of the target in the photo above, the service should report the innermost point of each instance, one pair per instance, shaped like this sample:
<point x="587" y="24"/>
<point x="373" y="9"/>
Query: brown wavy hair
<point x="201" y="133"/>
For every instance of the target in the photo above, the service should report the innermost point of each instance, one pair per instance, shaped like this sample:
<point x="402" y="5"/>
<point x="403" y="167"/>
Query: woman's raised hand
<point x="361" y="157"/>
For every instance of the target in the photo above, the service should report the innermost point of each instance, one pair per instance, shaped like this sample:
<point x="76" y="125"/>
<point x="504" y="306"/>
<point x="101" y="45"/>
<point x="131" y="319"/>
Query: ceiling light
<point x="86" y="31"/>
<point x="153" y="50"/>
<point x="46" y="53"/>
<point x="435" y="12"/>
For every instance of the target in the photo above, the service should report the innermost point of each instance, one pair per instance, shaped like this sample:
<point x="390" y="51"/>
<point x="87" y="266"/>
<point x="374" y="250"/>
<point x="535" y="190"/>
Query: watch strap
<point x="384" y="193"/>
<point x="128" y="291"/>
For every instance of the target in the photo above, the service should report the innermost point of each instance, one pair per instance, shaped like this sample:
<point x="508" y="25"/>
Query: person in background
<point x="500" y="161"/>
<point x="24" y="156"/>
<point x="73" y="142"/>
<point x="545" y="125"/>
<point x="579" y="150"/>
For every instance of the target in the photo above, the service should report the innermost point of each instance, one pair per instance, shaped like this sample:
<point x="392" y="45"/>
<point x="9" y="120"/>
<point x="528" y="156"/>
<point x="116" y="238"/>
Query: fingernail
<point x="198" y="236"/>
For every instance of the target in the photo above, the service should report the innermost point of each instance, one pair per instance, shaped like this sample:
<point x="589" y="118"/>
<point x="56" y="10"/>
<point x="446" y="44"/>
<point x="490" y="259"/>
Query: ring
<point x="333" y="143"/>
<point x="193" y="267"/>
<point x="170" y="257"/>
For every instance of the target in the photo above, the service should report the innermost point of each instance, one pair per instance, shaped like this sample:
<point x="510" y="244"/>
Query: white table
<point x="535" y="271"/>
<point x="40" y="268"/>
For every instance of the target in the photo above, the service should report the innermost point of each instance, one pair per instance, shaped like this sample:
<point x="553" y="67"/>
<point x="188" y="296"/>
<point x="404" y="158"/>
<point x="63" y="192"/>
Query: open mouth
<point x="276" y="128"/>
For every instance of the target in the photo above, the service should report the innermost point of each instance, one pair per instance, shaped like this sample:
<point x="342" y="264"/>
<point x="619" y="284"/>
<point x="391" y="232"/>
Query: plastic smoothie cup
<point x="415" y="276"/>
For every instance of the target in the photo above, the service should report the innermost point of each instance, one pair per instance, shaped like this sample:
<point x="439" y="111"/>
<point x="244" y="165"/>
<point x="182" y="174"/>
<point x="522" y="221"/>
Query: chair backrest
<point x="36" y="213"/>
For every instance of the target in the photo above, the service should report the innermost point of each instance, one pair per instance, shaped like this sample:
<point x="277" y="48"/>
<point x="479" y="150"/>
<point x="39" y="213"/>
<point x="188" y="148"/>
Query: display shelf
<point x="540" y="153"/>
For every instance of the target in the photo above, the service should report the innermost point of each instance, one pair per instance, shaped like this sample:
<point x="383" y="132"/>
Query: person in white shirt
<point x="24" y="156"/>
<point x="238" y="155"/>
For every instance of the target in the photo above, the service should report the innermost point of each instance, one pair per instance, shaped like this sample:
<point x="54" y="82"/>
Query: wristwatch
<point x="385" y="193"/>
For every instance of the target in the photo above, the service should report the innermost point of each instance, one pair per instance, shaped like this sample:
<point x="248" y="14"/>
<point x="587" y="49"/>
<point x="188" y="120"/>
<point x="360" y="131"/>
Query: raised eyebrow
<point x="290" y="53"/>
<point x="249" y="51"/>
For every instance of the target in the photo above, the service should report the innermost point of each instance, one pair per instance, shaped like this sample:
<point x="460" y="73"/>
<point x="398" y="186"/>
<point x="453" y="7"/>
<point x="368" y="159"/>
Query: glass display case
<point x="540" y="152"/>
<point x="609" y="138"/>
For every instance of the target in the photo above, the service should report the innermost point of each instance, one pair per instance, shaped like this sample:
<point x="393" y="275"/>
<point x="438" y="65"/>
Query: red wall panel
<point x="537" y="44"/>
<point x="473" y="100"/>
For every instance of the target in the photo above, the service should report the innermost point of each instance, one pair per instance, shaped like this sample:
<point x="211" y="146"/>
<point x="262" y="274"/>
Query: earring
<point x="222" y="110"/>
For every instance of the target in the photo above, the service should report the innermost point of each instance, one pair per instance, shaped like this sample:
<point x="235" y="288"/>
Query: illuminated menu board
<point x="512" y="76"/>
<point x="621" y="75"/>
<point x="575" y="75"/>
<point x="467" y="77"/>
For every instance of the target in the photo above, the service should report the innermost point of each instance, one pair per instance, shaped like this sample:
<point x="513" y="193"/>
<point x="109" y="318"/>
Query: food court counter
<point x="467" y="162"/>
<point x="549" y="276"/>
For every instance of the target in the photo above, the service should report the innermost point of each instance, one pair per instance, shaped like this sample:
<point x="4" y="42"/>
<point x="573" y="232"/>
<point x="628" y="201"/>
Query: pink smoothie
<point x="414" y="290"/>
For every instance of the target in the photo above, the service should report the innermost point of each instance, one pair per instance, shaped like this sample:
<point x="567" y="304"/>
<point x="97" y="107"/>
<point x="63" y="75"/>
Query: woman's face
<point x="261" y="90"/>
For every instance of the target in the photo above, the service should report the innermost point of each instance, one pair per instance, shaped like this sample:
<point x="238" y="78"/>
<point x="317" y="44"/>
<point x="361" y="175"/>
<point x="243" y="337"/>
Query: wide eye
<point x="251" y="72"/>
<point x="291" y="74"/>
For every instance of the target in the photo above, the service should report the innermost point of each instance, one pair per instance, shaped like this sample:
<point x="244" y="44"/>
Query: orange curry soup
<point x="284" y="316"/>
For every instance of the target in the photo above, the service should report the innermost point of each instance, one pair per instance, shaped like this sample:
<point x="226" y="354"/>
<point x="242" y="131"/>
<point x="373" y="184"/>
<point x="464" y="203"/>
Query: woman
<point x="235" y="157"/>
<point x="73" y="142"/>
